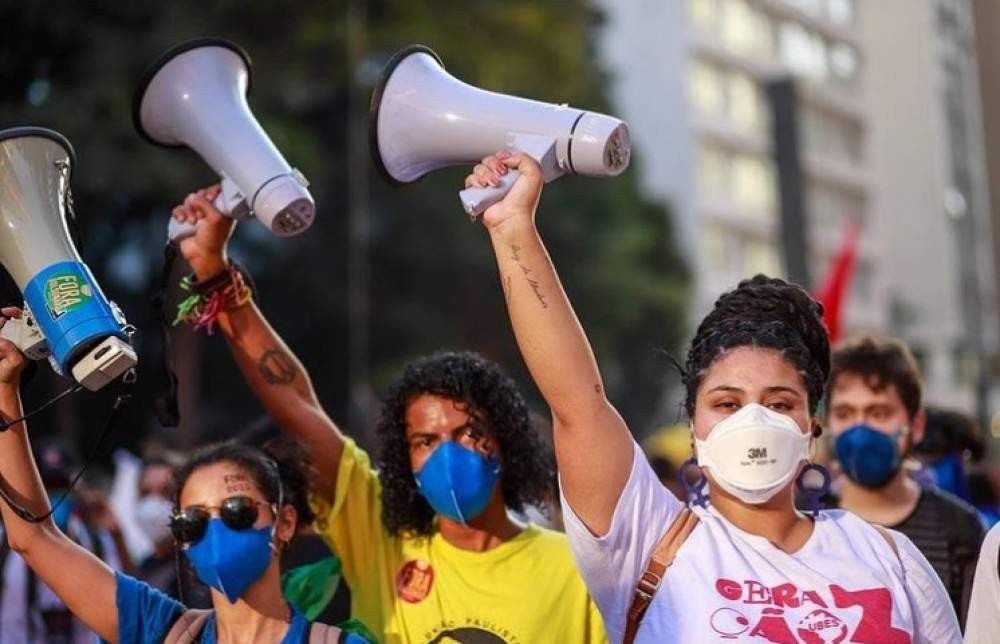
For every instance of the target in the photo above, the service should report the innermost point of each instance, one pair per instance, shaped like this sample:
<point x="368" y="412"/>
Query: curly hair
<point x="768" y="313"/>
<point x="484" y="391"/>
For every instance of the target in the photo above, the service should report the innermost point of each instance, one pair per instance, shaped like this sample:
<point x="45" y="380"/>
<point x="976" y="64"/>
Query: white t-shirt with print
<point x="983" y="623"/>
<point x="844" y="585"/>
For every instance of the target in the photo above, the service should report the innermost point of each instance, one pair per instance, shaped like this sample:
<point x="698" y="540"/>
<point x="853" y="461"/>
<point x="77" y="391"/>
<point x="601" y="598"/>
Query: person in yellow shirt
<point x="429" y="548"/>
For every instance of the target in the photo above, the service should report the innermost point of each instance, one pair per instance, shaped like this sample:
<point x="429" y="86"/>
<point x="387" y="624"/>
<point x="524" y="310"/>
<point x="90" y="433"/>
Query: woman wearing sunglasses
<point x="233" y="520"/>
<point x="749" y="566"/>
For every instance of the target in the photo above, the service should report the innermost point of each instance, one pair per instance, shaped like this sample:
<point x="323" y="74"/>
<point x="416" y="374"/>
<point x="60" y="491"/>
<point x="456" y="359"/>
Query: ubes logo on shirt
<point x="414" y="581"/>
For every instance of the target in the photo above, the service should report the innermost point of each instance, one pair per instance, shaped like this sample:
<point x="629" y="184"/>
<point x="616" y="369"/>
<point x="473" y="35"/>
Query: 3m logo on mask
<point x="756" y="453"/>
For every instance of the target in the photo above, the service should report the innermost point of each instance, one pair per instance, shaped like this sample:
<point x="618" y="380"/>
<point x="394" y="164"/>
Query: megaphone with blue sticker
<point x="67" y="317"/>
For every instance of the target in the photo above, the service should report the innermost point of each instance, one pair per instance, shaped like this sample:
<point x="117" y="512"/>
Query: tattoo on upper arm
<point x="276" y="367"/>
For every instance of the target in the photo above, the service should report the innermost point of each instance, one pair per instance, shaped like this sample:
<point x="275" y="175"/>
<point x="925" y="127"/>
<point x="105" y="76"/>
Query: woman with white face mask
<point x="742" y="563"/>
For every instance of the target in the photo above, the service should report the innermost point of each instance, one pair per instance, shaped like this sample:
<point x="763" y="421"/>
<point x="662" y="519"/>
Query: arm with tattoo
<point x="593" y="446"/>
<point x="282" y="385"/>
<point x="274" y="374"/>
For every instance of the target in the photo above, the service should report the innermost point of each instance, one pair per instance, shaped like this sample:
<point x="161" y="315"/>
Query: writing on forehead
<point x="237" y="483"/>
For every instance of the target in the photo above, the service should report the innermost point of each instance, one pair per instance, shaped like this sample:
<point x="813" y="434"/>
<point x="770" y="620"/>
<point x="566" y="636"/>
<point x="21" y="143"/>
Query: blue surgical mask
<point x="229" y="560"/>
<point x="949" y="475"/>
<point x="63" y="511"/>
<point x="458" y="482"/>
<point x="869" y="457"/>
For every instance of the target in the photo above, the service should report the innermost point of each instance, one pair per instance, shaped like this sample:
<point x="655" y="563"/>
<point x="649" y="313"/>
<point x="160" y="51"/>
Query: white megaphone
<point x="421" y="118"/>
<point x="194" y="95"/>
<point x="67" y="318"/>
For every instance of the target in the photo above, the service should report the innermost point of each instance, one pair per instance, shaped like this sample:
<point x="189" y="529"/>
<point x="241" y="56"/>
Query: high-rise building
<point x="690" y="78"/>
<point x="930" y="194"/>
<point x="882" y="143"/>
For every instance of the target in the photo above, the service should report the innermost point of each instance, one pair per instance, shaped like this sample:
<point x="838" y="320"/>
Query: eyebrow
<point x="767" y="390"/>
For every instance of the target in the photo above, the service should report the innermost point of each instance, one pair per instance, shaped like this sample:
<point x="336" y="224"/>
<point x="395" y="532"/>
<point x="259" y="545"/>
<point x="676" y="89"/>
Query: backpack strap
<point x="188" y="627"/>
<point x="324" y="634"/>
<point x="889" y="540"/>
<point x="651" y="579"/>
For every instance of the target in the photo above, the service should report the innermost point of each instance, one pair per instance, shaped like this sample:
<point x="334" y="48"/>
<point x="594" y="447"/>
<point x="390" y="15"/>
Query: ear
<point x="917" y="427"/>
<point x="288" y="518"/>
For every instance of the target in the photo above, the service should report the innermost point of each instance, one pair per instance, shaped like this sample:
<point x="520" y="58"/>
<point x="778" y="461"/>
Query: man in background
<point x="875" y="414"/>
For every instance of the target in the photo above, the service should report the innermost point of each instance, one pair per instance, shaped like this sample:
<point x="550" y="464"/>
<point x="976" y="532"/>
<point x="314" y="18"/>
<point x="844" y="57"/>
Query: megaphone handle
<point x="477" y="200"/>
<point x="178" y="230"/>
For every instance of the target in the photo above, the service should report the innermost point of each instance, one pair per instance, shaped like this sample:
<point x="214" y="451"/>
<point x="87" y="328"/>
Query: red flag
<point x="834" y="289"/>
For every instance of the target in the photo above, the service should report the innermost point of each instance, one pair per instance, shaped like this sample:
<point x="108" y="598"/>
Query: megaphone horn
<point x="84" y="332"/>
<point x="421" y="118"/>
<point x="194" y="95"/>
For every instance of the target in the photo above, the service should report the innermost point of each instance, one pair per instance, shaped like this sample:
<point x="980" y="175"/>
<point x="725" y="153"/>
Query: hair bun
<point x="764" y="311"/>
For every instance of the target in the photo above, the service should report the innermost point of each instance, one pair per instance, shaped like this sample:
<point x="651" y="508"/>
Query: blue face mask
<point x="949" y="475"/>
<point x="63" y="511"/>
<point x="869" y="457"/>
<point x="230" y="560"/>
<point x="458" y="482"/>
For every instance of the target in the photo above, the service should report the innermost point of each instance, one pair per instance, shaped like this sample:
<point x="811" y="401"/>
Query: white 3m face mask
<point x="754" y="453"/>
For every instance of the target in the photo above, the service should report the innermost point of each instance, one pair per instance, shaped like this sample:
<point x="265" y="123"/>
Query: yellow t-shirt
<point x="525" y="591"/>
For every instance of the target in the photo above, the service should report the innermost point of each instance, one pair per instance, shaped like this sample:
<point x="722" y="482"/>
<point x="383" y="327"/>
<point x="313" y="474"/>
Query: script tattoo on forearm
<point x="506" y="288"/>
<point x="536" y="287"/>
<point x="276" y="368"/>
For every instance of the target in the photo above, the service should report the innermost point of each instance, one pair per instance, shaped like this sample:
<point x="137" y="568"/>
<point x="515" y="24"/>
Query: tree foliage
<point x="73" y="66"/>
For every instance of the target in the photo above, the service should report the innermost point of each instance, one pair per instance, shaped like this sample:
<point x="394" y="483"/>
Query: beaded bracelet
<point x="209" y="298"/>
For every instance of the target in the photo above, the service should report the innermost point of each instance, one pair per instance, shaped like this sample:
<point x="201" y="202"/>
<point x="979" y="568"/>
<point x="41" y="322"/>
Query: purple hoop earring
<point x="696" y="489"/>
<point x="813" y="496"/>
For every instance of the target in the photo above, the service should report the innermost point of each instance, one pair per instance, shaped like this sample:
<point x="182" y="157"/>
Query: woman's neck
<point x="777" y="520"/>
<point x="487" y="531"/>
<point x="260" y="615"/>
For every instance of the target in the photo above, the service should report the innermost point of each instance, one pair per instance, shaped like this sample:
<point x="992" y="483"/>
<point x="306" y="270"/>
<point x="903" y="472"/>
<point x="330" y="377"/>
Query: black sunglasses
<point x="237" y="512"/>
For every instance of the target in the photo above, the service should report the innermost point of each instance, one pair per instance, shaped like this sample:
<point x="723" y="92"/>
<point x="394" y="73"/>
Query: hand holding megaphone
<point x="205" y="251"/>
<point x="521" y="172"/>
<point x="12" y="360"/>
<point x="226" y="198"/>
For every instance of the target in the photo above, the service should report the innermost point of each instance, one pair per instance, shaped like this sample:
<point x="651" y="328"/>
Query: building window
<point x="828" y="206"/>
<point x="753" y="185"/>
<point x="843" y="62"/>
<point x="840" y="11"/>
<point x="746" y="105"/>
<point x="760" y="257"/>
<point x="803" y="52"/>
<point x="704" y="14"/>
<point x="713" y="172"/>
<point x="707" y="88"/>
<point x="720" y="93"/>
<point x="745" y="30"/>
<point x="826" y="134"/>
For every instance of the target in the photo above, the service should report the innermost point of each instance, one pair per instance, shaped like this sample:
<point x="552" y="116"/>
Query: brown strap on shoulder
<point x="888" y="539"/>
<point x="187" y="628"/>
<point x="323" y="634"/>
<point x="661" y="559"/>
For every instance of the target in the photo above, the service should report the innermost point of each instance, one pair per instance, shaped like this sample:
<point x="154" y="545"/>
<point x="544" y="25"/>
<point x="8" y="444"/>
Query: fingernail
<point x="502" y="169"/>
<point x="503" y="154"/>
